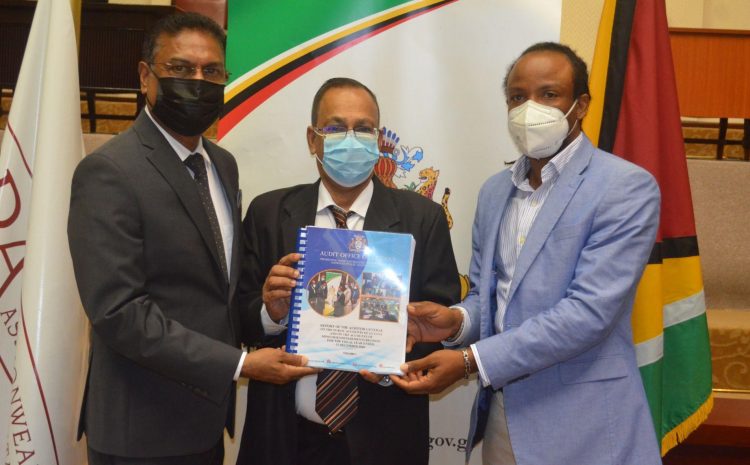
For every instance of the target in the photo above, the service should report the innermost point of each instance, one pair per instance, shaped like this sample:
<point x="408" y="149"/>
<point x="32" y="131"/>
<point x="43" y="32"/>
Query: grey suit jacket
<point x="165" y="342"/>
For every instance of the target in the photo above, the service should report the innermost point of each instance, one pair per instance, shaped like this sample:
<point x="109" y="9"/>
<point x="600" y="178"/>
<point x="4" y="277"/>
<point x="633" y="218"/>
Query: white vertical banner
<point x="437" y="69"/>
<point x="43" y="347"/>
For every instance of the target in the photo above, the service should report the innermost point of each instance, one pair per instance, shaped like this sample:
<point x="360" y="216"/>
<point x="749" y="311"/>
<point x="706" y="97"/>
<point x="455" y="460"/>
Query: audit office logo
<point x="358" y="243"/>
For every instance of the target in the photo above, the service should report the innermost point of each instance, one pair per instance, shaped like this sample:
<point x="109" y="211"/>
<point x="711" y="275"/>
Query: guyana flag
<point x="634" y="113"/>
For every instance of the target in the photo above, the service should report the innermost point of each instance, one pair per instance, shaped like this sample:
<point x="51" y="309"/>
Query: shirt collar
<point x="360" y="205"/>
<point x="520" y="168"/>
<point x="180" y="149"/>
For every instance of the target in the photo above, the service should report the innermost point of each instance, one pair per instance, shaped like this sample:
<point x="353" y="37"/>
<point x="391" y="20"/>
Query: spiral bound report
<point x="348" y="310"/>
<point x="296" y="300"/>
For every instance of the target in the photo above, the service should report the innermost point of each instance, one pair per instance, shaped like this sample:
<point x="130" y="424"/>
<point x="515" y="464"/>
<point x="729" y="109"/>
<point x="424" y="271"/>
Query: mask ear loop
<point x="566" y="117"/>
<point x="575" y="102"/>
<point x="315" y="156"/>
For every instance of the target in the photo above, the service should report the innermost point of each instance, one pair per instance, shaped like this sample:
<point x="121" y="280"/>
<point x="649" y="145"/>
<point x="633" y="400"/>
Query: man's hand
<point x="431" y="322"/>
<point x="370" y="376"/>
<point x="432" y="374"/>
<point x="277" y="289"/>
<point x="275" y="366"/>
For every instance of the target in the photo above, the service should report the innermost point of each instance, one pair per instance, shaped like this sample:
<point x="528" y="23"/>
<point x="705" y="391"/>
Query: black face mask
<point x="188" y="106"/>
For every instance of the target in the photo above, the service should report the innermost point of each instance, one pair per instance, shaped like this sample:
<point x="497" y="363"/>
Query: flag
<point x="634" y="113"/>
<point x="41" y="311"/>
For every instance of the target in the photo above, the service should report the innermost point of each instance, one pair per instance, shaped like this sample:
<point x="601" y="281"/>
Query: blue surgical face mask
<point x="349" y="161"/>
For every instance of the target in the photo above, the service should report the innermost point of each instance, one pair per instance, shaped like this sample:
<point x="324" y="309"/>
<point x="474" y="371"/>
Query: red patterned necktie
<point x="336" y="396"/>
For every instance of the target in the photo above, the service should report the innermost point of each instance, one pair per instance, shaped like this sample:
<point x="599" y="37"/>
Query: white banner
<point x="43" y="347"/>
<point x="438" y="79"/>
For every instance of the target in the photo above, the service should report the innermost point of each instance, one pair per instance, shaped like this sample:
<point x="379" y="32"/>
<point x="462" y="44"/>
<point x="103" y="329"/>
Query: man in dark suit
<point x="283" y="426"/>
<point x="155" y="238"/>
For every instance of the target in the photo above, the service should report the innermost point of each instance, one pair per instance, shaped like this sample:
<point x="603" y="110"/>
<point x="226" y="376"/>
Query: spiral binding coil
<point x="296" y="301"/>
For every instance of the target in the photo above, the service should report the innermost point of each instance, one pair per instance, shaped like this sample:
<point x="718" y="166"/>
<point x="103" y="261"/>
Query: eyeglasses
<point x="339" y="133"/>
<point x="213" y="73"/>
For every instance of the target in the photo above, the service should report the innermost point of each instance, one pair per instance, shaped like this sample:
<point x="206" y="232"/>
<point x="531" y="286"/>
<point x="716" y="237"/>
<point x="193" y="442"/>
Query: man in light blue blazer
<point x="560" y="241"/>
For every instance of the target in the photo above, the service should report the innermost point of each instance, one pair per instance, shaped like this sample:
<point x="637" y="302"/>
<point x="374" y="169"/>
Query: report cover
<point x="348" y="310"/>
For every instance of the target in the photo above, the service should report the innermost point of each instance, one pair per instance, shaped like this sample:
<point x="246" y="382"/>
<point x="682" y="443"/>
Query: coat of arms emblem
<point x="358" y="243"/>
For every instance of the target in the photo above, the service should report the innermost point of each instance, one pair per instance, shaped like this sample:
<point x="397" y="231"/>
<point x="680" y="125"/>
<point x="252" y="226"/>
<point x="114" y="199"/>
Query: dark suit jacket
<point x="165" y="344"/>
<point x="391" y="427"/>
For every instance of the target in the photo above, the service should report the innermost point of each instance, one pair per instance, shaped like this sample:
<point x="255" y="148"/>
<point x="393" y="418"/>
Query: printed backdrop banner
<point x="42" y="349"/>
<point x="437" y="69"/>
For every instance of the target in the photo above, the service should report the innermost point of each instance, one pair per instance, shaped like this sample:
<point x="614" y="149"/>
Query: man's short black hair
<point x="174" y="24"/>
<point x="337" y="83"/>
<point x="580" y="71"/>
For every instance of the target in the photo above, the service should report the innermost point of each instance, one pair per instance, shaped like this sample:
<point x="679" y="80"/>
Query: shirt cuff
<point x="482" y="374"/>
<point x="465" y="328"/>
<point x="270" y="327"/>
<point x="239" y="366"/>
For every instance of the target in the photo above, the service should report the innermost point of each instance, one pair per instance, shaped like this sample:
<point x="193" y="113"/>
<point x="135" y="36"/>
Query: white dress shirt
<point x="518" y="218"/>
<point x="306" y="387"/>
<point x="218" y="197"/>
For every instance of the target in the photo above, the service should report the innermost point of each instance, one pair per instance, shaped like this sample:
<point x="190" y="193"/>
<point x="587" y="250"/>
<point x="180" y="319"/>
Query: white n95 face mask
<point x="538" y="130"/>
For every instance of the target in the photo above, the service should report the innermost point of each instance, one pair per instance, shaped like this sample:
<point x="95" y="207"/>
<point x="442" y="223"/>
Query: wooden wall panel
<point x="712" y="69"/>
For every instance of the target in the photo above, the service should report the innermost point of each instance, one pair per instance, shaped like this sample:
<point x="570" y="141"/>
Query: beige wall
<point x="726" y="14"/>
<point x="580" y="19"/>
<point x="685" y="13"/>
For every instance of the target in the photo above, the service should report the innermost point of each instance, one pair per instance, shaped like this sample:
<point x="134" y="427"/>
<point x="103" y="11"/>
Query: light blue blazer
<point x="565" y="360"/>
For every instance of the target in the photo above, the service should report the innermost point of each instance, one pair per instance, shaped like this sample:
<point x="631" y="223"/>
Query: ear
<point x="582" y="108"/>
<point x="143" y="72"/>
<point x="311" y="140"/>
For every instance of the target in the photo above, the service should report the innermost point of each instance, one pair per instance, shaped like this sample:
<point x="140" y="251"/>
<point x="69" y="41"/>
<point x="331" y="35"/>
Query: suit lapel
<point x="556" y="202"/>
<point x="497" y="202"/>
<point x="224" y="169"/>
<point x="382" y="214"/>
<point x="166" y="161"/>
<point x="299" y="211"/>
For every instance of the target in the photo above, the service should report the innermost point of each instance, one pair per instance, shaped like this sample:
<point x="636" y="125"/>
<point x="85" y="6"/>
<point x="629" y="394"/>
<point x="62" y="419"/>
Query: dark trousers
<point x="214" y="456"/>
<point x="316" y="446"/>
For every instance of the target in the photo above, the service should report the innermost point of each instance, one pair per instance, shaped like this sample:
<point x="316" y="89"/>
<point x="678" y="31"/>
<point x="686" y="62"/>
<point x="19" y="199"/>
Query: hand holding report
<point x="431" y="322"/>
<point x="348" y="309"/>
<point x="278" y="286"/>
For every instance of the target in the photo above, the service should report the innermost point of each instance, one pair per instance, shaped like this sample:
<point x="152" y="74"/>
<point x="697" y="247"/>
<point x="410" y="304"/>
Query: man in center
<point x="386" y="426"/>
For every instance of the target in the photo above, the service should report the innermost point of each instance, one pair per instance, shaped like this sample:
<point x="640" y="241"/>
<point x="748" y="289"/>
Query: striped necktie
<point x="336" y="395"/>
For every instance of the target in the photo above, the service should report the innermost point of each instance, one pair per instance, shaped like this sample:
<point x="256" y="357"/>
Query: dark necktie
<point x="198" y="166"/>
<point x="336" y="396"/>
